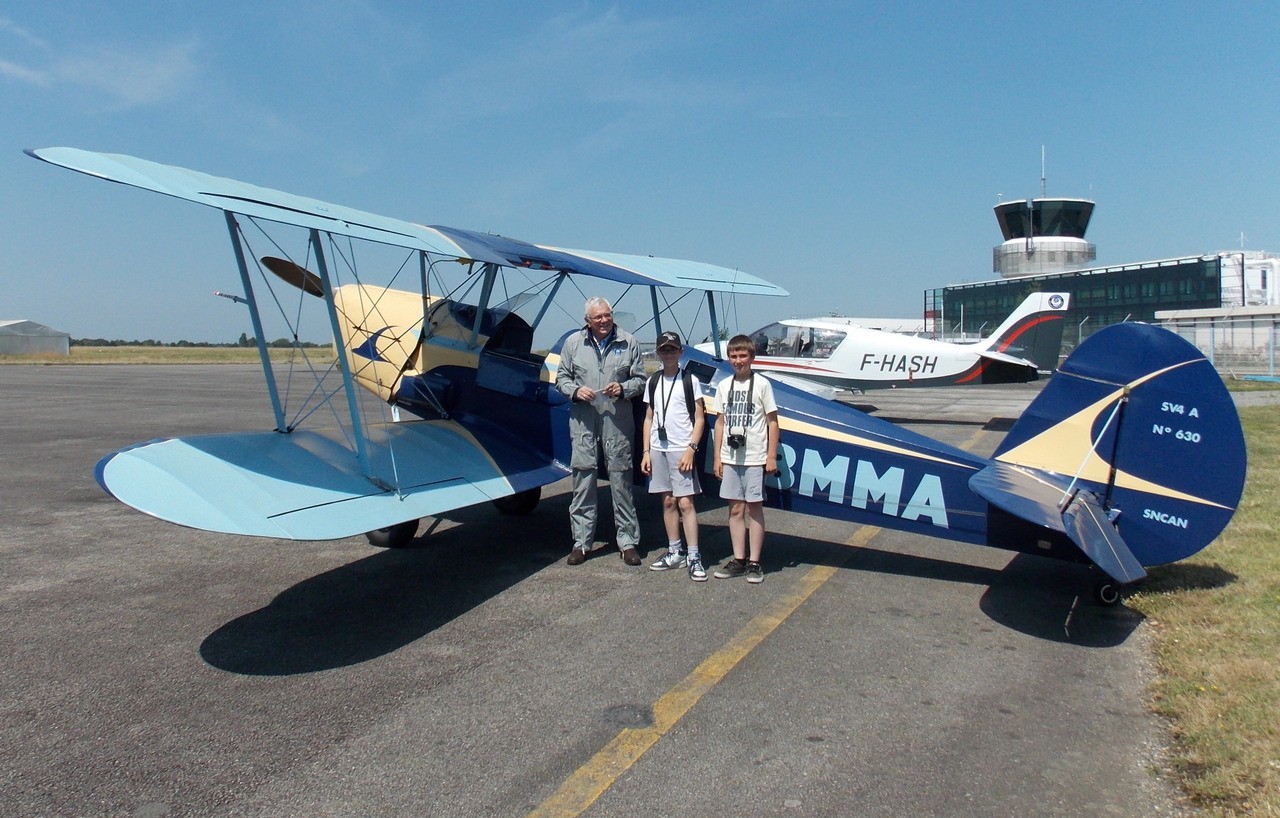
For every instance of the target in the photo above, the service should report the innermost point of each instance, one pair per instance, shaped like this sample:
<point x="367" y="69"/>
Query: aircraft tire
<point x="520" y="503"/>
<point x="1106" y="593"/>
<point x="396" y="536"/>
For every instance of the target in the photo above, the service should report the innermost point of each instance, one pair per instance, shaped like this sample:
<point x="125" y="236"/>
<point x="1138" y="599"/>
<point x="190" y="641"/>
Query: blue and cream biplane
<point x="1131" y="456"/>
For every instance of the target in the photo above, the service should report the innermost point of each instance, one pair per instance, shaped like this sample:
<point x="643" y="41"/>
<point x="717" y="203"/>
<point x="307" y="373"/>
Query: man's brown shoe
<point x="630" y="557"/>
<point x="576" y="557"/>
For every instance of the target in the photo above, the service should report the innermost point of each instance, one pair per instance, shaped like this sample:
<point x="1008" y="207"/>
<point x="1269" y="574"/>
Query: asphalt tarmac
<point x="152" y="670"/>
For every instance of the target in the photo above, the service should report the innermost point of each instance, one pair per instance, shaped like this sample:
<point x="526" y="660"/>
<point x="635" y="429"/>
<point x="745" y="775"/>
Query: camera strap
<point x="749" y="407"/>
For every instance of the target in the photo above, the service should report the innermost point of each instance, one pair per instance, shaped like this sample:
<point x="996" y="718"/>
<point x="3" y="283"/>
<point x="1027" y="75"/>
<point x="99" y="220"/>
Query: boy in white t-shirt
<point x="673" y="424"/>
<point x="746" y="449"/>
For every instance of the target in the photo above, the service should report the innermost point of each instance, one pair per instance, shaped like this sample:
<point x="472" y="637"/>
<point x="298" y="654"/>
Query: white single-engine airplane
<point x="836" y="354"/>
<point x="1131" y="456"/>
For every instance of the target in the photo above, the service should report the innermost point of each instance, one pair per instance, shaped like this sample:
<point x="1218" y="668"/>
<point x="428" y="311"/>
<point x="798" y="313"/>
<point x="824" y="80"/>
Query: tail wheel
<point x="520" y="503"/>
<point x="1106" y="593"/>
<point x="396" y="536"/>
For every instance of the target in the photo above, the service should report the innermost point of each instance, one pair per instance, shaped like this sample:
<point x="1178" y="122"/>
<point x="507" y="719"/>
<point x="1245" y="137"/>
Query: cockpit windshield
<point x="786" y="341"/>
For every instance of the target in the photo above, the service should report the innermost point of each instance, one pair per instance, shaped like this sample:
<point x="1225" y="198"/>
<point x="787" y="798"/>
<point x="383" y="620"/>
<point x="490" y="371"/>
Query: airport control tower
<point x="1043" y="236"/>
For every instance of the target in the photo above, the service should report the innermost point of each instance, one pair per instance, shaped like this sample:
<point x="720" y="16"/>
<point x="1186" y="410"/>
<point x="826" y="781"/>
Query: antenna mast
<point x="1042" y="193"/>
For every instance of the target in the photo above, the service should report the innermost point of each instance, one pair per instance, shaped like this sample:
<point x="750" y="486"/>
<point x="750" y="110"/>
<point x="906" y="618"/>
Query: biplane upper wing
<point x="287" y="208"/>
<point x="307" y="485"/>
<point x="251" y="200"/>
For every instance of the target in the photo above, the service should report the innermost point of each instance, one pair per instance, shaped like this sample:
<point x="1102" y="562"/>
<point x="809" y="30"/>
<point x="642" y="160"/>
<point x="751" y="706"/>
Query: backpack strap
<point x="687" y="377"/>
<point x="688" y="392"/>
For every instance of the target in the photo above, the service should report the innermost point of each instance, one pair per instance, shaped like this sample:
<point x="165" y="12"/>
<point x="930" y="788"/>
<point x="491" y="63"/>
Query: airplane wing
<point x="287" y="208"/>
<point x="307" y="485"/>
<point x="1034" y="496"/>
<point x="251" y="200"/>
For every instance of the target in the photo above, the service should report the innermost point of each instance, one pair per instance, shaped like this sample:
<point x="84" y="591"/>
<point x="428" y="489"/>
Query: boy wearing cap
<point x="673" y="424"/>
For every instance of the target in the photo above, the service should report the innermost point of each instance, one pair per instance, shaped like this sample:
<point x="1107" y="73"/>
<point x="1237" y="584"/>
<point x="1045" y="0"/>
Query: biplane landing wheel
<point x="520" y="503"/>
<point x="396" y="536"/>
<point x="1106" y="593"/>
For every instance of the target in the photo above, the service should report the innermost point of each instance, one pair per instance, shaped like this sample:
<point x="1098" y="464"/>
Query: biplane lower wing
<point x="307" y="485"/>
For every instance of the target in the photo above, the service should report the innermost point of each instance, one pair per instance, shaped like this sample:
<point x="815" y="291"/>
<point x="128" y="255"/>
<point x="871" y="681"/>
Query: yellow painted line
<point x="973" y="439"/>
<point x="592" y="779"/>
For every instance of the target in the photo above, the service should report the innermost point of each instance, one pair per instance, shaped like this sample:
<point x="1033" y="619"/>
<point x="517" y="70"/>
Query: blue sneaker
<point x="696" y="572"/>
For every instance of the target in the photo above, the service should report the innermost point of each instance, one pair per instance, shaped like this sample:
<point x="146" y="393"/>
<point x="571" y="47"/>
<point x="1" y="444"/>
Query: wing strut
<point x="348" y="385"/>
<point x="715" y="324"/>
<point x="546" y="305"/>
<point x="657" y="314"/>
<point x="490" y="273"/>
<point x="252" y="301"/>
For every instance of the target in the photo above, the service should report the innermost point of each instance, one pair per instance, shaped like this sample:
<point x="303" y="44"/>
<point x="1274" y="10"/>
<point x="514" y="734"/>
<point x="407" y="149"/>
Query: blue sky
<point x="849" y="151"/>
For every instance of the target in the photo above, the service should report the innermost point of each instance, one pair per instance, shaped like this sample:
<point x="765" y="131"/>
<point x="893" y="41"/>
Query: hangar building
<point x="18" y="337"/>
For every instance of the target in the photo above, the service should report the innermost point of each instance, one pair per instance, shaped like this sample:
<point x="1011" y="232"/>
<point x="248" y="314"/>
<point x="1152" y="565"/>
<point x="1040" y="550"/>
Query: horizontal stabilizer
<point x="1088" y="527"/>
<point x="308" y="485"/>
<point x="1037" y="498"/>
<point x="1004" y="358"/>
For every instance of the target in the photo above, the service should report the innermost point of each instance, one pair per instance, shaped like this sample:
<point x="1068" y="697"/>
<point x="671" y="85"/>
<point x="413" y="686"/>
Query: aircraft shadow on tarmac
<point x="1043" y="598"/>
<point x="376" y="605"/>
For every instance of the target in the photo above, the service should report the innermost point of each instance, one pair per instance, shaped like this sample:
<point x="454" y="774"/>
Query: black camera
<point x="662" y="434"/>
<point x="737" y="440"/>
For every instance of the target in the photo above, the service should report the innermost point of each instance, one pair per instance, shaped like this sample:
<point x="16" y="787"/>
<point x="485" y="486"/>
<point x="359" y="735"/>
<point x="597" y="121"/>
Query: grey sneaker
<point x="670" y="559"/>
<point x="732" y="568"/>
<point x="755" y="574"/>
<point x="696" y="572"/>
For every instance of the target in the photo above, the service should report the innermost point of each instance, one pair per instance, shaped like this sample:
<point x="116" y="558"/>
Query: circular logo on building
<point x="1055" y="301"/>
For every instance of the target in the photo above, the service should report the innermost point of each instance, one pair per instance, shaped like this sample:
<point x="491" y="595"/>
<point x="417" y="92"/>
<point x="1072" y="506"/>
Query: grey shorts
<point x="743" y="483"/>
<point x="666" y="475"/>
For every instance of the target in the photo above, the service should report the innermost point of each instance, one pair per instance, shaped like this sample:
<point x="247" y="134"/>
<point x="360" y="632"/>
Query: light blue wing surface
<point x="287" y="208"/>
<point x="693" y="275"/>
<point x="307" y="485"/>
<point x="251" y="200"/>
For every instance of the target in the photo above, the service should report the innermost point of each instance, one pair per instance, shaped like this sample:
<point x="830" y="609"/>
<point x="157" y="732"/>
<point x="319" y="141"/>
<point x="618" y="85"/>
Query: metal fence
<point x="1236" y="345"/>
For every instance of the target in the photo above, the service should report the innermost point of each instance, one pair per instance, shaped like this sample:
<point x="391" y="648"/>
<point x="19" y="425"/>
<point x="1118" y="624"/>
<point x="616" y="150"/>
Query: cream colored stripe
<point x="789" y="424"/>
<point x="591" y="780"/>
<point x="1067" y="447"/>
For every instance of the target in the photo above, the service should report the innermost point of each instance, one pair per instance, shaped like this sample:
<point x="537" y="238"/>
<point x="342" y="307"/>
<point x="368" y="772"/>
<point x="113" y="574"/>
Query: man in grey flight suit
<point x="600" y="371"/>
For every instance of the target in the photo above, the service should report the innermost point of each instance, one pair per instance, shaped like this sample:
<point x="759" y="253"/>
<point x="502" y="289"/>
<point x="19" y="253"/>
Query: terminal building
<point x="1045" y="249"/>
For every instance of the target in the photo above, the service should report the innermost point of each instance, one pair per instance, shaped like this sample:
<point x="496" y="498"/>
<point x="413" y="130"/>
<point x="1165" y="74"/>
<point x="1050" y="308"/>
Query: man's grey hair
<point x="595" y="302"/>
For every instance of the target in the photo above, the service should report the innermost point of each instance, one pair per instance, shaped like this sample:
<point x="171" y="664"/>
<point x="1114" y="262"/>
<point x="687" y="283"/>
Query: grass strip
<point x="1216" y="623"/>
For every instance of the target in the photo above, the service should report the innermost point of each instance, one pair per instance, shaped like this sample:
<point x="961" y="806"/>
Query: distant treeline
<point x="244" y="341"/>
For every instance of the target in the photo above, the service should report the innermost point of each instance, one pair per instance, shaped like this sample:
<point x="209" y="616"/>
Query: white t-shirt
<point x="671" y="413"/>
<point x="731" y="402"/>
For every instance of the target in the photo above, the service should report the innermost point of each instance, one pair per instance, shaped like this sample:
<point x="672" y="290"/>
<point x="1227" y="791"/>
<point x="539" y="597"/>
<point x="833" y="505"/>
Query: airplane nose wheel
<point x="1106" y="593"/>
<point x="396" y="536"/>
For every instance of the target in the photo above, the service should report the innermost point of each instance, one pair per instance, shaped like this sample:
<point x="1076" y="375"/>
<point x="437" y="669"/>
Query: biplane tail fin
<point x="1033" y="331"/>
<point x="1136" y="447"/>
